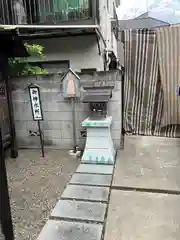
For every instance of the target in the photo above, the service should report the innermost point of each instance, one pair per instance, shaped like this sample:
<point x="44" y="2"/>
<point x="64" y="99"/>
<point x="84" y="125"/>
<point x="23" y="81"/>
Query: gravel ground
<point x="35" y="185"/>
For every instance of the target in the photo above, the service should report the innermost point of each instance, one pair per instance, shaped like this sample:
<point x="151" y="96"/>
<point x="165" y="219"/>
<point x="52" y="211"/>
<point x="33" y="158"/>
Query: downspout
<point x="106" y="57"/>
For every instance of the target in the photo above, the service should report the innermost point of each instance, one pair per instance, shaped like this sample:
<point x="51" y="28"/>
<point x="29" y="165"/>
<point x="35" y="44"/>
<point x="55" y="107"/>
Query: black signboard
<point x="36" y="106"/>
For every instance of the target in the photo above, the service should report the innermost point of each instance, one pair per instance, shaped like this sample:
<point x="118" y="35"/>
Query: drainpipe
<point x="107" y="60"/>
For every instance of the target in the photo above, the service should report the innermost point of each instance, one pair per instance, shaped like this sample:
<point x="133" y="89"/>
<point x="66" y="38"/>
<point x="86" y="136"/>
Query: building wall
<point x="81" y="51"/>
<point x="106" y="15"/>
<point x="120" y="47"/>
<point x="112" y="4"/>
<point x="57" y="124"/>
<point x="141" y="23"/>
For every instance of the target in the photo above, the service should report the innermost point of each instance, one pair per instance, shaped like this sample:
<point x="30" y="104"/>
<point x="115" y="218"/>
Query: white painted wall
<point x="106" y="15"/>
<point x="111" y="8"/>
<point x="81" y="51"/>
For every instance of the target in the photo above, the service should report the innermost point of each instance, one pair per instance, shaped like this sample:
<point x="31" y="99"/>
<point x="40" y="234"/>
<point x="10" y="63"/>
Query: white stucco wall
<point x="106" y="14"/>
<point x="81" y="51"/>
<point x="111" y="7"/>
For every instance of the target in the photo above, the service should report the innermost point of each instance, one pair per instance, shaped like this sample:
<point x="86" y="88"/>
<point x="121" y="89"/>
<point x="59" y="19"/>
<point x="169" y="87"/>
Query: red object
<point x="71" y="88"/>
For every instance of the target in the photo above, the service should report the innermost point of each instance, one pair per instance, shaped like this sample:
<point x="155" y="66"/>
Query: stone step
<point x="62" y="230"/>
<point x="78" y="210"/>
<point x="91" y="179"/>
<point x="94" y="169"/>
<point x="86" y="193"/>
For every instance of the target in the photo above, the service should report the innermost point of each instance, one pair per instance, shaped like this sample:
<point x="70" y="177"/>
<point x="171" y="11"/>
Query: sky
<point x="129" y="4"/>
<point x="165" y="10"/>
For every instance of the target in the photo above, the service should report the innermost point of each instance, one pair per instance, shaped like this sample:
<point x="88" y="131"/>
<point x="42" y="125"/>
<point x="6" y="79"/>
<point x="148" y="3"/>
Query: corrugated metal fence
<point x="146" y="97"/>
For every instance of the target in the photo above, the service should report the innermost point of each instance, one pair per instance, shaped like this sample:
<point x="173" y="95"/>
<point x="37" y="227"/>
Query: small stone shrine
<point x="99" y="146"/>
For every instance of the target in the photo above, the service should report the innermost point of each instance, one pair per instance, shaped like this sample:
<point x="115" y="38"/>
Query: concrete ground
<point x="36" y="184"/>
<point x="145" y="196"/>
<point x="149" y="162"/>
<point x="144" y="199"/>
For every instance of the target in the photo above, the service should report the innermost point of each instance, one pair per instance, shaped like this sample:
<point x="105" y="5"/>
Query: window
<point x="53" y="66"/>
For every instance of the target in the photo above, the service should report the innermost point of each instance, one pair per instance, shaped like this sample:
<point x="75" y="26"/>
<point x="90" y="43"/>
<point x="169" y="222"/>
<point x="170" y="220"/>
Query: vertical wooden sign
<point x="36" y="107"/>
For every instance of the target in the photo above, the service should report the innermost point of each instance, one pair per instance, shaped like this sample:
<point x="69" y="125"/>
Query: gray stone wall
<point x="57" y="124"/>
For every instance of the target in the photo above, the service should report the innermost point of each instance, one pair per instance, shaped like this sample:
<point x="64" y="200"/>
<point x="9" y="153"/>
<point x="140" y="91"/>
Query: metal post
<point x="35" y="100"/>
<point x="122" y="99"/>
<point x="5" y="211"/>
<point x="74" y="124"/>
<point x="41" y="138"/>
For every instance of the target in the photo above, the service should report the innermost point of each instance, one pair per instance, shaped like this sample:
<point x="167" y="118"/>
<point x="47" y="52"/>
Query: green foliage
<point x="20" y="66"/>
<point x="35" y="50"/>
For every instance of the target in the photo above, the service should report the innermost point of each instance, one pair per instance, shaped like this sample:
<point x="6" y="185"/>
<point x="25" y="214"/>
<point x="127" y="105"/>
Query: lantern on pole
<point x="71" y="91"/>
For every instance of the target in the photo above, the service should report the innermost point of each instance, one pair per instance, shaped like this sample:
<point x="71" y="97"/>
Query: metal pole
<point x="41" y="138"/>
<point x="122" y="99"/>
<point x="5" y="210"/>
<point x="74" y="124"/>
<point x="50" y="26"/>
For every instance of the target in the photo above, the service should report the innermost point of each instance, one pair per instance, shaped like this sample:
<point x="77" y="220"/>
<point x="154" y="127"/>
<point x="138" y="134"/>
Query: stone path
<point x="140" y="202"/>
<point x="81" y="212"/>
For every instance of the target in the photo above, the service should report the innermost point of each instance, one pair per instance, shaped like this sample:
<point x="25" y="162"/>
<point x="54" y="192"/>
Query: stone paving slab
<point x="59" y="230"/>
<point x="146" y="216"/>
<point x="96" y="169"/>
<point x="79" y="210"/>
<point x="153" y="140"/>
<point x="86" y="193"/>
<point x="149" y="162"/>
<point x="91" y="179"/>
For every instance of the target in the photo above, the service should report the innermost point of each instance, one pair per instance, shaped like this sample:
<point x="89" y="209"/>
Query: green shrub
<point x="20" y="66"/>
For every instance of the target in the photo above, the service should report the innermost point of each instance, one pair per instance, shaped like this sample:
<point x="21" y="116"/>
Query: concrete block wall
<point x="57" y="124"/>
